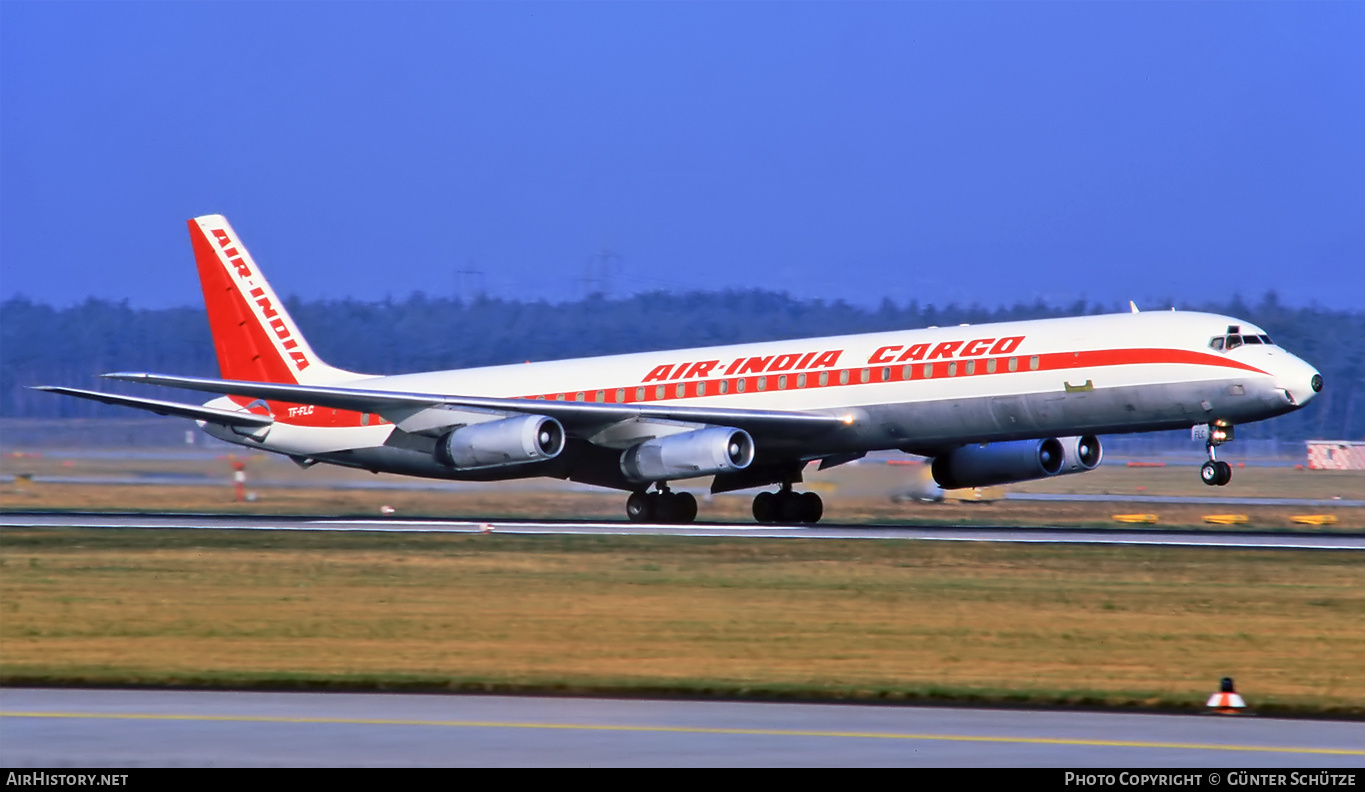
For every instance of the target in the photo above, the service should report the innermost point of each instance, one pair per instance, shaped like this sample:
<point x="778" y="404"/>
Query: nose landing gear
<point x="1213" y="472"/>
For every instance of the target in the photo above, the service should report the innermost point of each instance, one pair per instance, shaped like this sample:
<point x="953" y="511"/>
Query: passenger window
<point x="701" y="388"/>
<point x="621" y="395"/>
<point x="724" y="387"/>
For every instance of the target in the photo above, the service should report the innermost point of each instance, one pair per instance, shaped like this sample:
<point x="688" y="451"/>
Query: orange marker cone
<point x="1226" y="701"/>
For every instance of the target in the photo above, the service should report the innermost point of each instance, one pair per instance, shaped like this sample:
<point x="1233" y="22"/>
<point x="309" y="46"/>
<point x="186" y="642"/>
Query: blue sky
<point x="946" y="152"/>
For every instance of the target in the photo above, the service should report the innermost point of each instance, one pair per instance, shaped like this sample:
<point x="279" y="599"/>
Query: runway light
<point x="1226" y="701"/>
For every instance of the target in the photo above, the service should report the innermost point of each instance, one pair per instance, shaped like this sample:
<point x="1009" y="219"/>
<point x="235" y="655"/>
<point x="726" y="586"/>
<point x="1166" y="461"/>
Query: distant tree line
<point x="40" y="344"/>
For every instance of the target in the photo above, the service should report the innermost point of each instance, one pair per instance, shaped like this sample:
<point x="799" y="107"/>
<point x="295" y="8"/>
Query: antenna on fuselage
<point x="1133" y="306"/>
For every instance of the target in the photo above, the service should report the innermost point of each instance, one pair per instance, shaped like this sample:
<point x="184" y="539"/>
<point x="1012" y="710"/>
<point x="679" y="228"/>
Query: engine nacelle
<point x="511" y="441"/>
<point x="1080" y="454"/>
<point x="703" y="452"/>
<point x="999" y="463"/>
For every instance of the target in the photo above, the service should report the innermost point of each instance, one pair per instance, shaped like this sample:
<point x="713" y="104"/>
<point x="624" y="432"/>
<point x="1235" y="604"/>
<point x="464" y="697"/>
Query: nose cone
<point x="1300" y="381"/>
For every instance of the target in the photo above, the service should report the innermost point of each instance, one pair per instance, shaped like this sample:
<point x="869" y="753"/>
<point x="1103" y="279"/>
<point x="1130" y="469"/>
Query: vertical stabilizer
<point x="253" y="334"/>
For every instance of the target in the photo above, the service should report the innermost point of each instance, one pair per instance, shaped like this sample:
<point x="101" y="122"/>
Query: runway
<point x="402" y="485"/>
<point x="129" y="728"/>
<point x="1211" y="539"/>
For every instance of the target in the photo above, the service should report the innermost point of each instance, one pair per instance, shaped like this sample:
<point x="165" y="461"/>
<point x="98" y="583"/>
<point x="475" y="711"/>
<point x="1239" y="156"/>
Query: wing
<point x="413" y="411"/>
<point x="243" y="420"/>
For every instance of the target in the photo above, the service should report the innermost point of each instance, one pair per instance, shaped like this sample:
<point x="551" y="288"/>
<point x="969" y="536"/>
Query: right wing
<point x="242" y="420"/>
<point x="581" y="419"/>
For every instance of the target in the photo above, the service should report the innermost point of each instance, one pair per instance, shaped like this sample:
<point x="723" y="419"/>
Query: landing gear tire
<point x="765" y="507"/>
<point x="812" y="508"/>
<point x="684" y="507"/>
<point x="640" y="507"/>
<point x="664" y="507"/>
<point x="787" y="507"/>
<point x="1215" y="473"/>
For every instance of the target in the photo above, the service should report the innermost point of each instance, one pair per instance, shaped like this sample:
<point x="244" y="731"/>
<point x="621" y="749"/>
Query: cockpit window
<point x="1229" y="342"/>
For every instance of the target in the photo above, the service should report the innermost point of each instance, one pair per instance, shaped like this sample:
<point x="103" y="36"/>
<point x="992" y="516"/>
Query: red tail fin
<point x="253" y="334"/>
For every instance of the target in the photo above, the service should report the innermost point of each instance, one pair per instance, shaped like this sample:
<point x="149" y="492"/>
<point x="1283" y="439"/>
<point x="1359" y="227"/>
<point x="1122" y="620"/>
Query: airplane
<point x="990" y="404"/>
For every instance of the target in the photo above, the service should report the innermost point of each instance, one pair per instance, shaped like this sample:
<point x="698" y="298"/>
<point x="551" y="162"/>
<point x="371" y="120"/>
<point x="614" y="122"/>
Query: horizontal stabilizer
<point x="195" y="412"/>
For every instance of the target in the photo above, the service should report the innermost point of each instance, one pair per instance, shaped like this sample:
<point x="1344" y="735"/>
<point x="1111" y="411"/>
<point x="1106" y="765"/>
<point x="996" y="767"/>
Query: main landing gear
<point x="785" y="506"/>
<point x="1213" y="472"/>
<point x="665" y="506"/>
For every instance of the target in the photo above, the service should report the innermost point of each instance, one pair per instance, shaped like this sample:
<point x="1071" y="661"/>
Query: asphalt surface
<point x="1213" y="539"/>
<point x="131" y="728"/>
<point x="401" y="485"/>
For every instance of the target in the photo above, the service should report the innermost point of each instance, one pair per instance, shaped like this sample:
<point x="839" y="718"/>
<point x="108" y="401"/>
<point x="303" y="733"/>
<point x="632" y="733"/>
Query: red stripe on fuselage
<point x="1047" y="361"/>
<point x="902" y="372"/>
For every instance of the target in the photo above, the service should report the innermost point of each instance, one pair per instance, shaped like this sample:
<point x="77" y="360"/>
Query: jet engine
<point x="511" y="441"/>
<point x="1080" y="454"/>
<point x="999" y="463"/>
<point x="703" y="452"/>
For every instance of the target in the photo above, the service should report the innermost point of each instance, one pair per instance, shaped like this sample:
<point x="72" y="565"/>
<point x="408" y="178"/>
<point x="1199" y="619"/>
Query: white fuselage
<point x="917" y="390"/>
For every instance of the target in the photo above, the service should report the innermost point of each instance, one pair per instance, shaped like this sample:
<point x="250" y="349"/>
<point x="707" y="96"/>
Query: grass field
<point x="893" y="620"/>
